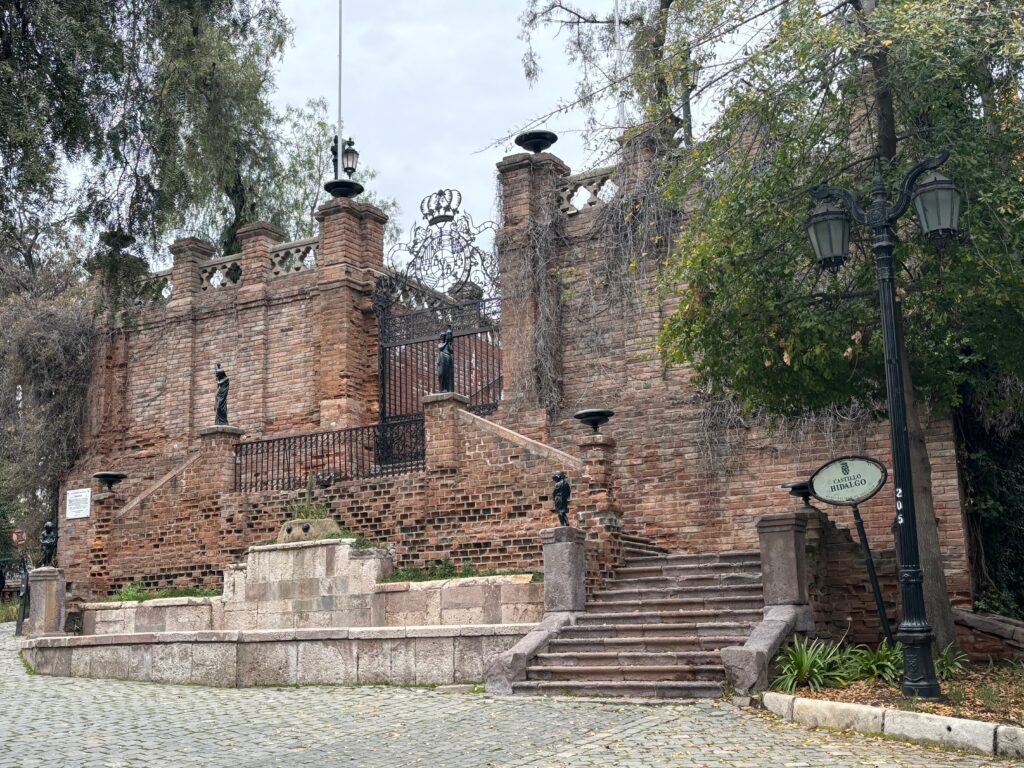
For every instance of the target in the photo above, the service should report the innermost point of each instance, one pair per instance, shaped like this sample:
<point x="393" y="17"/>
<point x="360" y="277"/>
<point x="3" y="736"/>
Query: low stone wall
<point x="325" y="584"/>
<point x="989" y="635"/>
<point x="438" y="655"/>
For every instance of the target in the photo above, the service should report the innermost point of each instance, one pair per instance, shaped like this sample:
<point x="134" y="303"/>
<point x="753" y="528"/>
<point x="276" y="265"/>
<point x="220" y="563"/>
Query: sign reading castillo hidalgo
<point x="848" y="481"/>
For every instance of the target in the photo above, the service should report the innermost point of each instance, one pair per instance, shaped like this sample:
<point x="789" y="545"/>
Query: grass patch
<point x="446" y="569"/>
<point x="25" y="664"/>
<point x="9" y="611"/>
<point x="361" y="542"/>
<point x="308" y="510"/>
<point x="135" y="593"/>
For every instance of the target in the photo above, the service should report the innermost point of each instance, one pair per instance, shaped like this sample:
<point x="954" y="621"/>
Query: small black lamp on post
<point x="349" y="160"/>
<point x="938" y="208"/>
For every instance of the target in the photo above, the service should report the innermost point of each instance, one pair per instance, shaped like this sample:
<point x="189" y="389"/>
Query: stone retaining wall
<point x="337" y="656"/>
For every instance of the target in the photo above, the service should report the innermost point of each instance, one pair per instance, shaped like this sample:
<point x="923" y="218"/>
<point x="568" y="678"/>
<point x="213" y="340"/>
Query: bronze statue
<point x="446" y="362"/>
<point x="222" y="396"/>
<point x="561" y="496"/>
<point x="48" y="540"/>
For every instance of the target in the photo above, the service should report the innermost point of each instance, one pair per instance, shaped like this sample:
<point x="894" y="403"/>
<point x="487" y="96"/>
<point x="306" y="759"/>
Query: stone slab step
<point x="665" y="615"/>
<point x="621" y="673"/>
<point x="628" y="593"/>
<point x="628" y="658"/>
<point x="677" y="604"/>
<point x="671" y="644"/>
<point x="699" y="579"/>
<point x="655" y="629"/>
<point x="676" y="690"/>
<point x="685" y="558"/>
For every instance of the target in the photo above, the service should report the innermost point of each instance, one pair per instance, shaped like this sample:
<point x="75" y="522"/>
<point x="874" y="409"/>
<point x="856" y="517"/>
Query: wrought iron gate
<point x="408" y="355"/>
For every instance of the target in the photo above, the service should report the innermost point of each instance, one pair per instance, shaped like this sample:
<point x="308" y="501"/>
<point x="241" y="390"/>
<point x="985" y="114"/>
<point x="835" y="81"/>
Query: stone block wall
<point x="690" y="476"/>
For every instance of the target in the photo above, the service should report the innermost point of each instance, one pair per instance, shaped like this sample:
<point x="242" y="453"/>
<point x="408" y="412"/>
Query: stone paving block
<point x="267" y="663"/>
<point x="949" y="731"/>
<point x="1010" y="741"/>
<point x="780" y="704"/>
<point x="837" y="714"/>
<point x="326" y="662"/>
<point x="435" y="660"/>
<point x="214" y="664"/>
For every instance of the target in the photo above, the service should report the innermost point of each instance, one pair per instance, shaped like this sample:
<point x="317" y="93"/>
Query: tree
<point x="835" y="82"/>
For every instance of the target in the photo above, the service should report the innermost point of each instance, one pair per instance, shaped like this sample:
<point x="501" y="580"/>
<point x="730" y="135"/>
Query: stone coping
<point x="302" y="544"/>
<point x="955" y="732"/>
<point x="278" y="635"/>
<point x="163" y="602"/>
<point x="461" y="581"/>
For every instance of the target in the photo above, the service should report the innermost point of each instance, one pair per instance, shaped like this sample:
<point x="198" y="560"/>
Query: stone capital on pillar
<point x="46" y="598"/>
<point x="351" y="233"/>
<point x="189" y="253"/>
<point x="565" y="569"/>
<point x="783" y="557"/>
<point x="218" y="444"/>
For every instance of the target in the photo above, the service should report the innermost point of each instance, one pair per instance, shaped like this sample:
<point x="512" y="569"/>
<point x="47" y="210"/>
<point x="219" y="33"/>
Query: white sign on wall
<point x="848" y="481"/>
<point x="78" y="503"/>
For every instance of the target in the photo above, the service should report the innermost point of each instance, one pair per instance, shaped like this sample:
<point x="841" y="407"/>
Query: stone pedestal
<point x="46" y="596"/>
<point x="218" y="446"/>
<point x="783" y="558"/>
<point x="441" y="429"/>
<point x="565" y="569"/>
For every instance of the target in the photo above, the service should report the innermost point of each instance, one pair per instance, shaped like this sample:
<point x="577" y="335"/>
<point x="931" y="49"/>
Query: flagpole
<point x="339" y="76"/>
<point x="618" y="65"/>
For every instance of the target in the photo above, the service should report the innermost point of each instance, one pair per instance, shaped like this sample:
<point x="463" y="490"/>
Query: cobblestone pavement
<point x="50" y="721"/>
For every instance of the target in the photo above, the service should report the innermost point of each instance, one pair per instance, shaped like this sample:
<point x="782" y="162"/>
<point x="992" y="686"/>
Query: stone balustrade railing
<point x="298" y="256"/>
<point x="222" y="272"/>
<point x="586" y="190"/>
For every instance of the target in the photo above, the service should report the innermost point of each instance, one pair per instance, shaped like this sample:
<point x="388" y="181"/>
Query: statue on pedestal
<point x="446" y="362"/>
<point x="222" y="397"/>
<point x="561" y="497"/>
<point x="48" y="541"/>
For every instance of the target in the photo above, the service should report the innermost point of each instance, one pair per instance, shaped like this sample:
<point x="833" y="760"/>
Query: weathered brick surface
<point x="686" y="478"/>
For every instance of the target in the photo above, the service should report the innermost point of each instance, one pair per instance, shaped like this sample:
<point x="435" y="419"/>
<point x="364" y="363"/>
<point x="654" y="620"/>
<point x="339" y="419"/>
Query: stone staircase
<point x="657" y="628"/>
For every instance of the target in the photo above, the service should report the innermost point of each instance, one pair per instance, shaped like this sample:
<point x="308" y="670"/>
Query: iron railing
<point x="285" y="463"/>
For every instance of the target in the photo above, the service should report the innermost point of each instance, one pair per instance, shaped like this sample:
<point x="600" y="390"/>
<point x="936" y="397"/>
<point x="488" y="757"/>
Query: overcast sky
<point x="427" y="88"/>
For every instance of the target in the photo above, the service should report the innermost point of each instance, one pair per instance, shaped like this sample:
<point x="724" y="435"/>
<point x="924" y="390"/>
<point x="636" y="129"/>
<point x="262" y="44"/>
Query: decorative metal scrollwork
<point x="444" y="255"/>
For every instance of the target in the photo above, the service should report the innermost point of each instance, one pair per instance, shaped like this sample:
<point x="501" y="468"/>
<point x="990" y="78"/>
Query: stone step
<point x="680" y="605"/>
<point x="615" y="627"/>
<point x="696" y="689"/>
<point x="622" y="673"/>
<point x="653" y="643"/>
<point x="686" y="558"/>
<point x="698" y="579"/>
<point x="627" y="592"/>
<point x="628" y="658"/>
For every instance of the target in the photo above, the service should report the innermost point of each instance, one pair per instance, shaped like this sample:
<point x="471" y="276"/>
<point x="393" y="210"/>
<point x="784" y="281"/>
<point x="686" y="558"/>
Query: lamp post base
<point x="343" y="188"/>
<point x="918" y="666"/>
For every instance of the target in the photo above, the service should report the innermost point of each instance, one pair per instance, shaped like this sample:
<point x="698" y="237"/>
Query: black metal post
<point x="883" y="617"/>
<point x="914" y="631"/>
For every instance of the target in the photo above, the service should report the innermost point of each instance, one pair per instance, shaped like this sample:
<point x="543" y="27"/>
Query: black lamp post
<point x="349" y="159"/>
<point x="938" y="207"/>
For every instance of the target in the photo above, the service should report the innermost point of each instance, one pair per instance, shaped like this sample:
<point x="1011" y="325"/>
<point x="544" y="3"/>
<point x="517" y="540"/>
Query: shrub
<point x="812" y="663"/>
<point x="308" y="510"/>
<point x="950" y="662"/>
<point x="9" y="611"/>
<point x="134" y="592"/>
<point x="884" y="663"/>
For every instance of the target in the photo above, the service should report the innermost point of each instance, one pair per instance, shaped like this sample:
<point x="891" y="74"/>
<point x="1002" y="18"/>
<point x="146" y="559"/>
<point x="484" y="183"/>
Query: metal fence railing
<point x="285" y="463"/>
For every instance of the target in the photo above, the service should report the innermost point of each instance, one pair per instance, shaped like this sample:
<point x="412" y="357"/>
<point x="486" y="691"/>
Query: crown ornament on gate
<point x="441" y="207"/>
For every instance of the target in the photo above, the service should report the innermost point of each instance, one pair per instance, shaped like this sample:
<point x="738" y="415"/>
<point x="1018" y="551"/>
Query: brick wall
<point x="687" y="477"/>
<point x="482" y="498"/>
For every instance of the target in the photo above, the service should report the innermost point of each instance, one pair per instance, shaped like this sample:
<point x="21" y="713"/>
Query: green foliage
<point x="361" y="542"/>
<point x="446" y="569"/>
<point x="950" y="663"/>
<point x="813" y="664"/>
<point x="8" y="611"/>
<point x="883" y="663"/>
<point x="134" y="592"/>
<point x="309" y="510"/>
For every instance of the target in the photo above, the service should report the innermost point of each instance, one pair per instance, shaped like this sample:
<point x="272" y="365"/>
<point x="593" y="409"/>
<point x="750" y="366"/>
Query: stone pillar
<point x="441" y="430"/>
<point x="46" y="597"/>
<point x="565" y="569"/>
<point x="783" y="558"/>
<point x="257" y="239"/>
<point x="218" y="446"/>
<point x="600" y="514"/>
<point x="350" y="255"/>
<point x="528" y="186"/>
<point x="104" y="503"/>
<point x="189" y="254"/>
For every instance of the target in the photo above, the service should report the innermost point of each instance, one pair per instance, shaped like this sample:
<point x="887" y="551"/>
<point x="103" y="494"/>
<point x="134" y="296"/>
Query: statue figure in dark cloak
<point x="446" y="362"/>
<point x="222" y="397"/>
<point x="561" y="497"/>
<point x="48" y="543"/>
